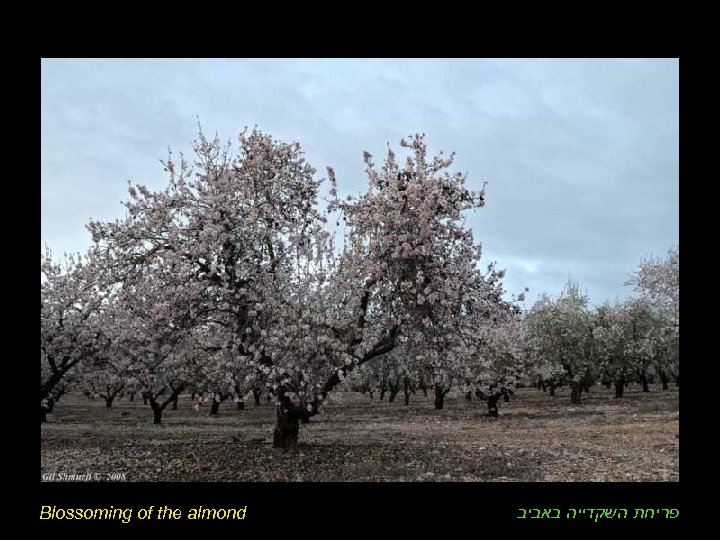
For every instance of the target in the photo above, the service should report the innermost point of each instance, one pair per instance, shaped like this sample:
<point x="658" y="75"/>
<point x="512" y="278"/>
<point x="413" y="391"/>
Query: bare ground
<point x="536" y="438"/>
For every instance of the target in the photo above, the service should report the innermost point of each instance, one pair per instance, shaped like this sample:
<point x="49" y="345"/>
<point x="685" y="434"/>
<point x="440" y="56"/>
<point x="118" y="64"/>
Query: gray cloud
<point x="580" y="156"/>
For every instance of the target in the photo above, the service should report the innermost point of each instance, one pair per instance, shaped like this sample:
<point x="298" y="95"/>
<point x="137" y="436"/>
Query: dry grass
<point x="536" y="438"/>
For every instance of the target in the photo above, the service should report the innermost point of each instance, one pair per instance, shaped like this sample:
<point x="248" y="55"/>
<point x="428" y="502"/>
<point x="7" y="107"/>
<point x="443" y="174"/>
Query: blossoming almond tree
<point x="71" y="309"/>
<point x="658" y="280"/>
<point x="406" y="265"/>
<point x="610" y="333"/>
<point x="154" y="331"/>
<point x="232" y="230"/>
<point x="250" y="257"/>
<point x="562" y="331"/>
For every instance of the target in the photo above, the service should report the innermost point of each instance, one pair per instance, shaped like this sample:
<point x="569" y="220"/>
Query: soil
<point x="537" y="438"/>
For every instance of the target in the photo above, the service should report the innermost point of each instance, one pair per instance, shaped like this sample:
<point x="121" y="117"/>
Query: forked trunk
<point x="644" y="381"/>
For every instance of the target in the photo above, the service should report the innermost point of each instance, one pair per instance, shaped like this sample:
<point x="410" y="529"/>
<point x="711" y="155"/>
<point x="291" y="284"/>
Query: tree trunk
<point x="439" y="398"/>
<point x="619" y="387"/>
<point x="506" y="397"/>
<point x="468" y="394"/>
<point x="371" y="393"/>
<point x="109" y="401"/>
<point x="240" y="405"/>
<point x="644" y="381"/>
<point x="586" y="388"/>
<point x="664" y="379"/>
<point x="551" y="387"/>
<point x="575" y="393"/>
<point x="677" y="381"/>
<point x="287" y="426"/>
<point x="256" y="396"/>
<point x="214" y="407"/>
<point x="492" y="405"/>
<point x="173" y="405"/>
<point x="394" y="390"/>
<point x="406" y="389"/>
<point x="382" y="393"/>
<point x="50" y="404"/>
<point x="157" y="412"/>
<point x="43" y="414"/>
<point x="132" y="396"/>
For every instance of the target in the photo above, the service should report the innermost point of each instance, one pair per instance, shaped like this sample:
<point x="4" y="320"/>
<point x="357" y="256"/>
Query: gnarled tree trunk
<point x="157" y="410"/>
<point x="492" y="402"/>
<point x="619" y="386"/>
<point x="287" y="427"/>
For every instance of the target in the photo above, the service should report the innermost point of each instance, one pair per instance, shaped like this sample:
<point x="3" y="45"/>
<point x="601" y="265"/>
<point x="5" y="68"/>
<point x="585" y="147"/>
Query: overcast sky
<point x="580" y="156"/>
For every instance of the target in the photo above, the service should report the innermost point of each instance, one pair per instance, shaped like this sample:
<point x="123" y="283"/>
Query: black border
<point x="374" y="508"/>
